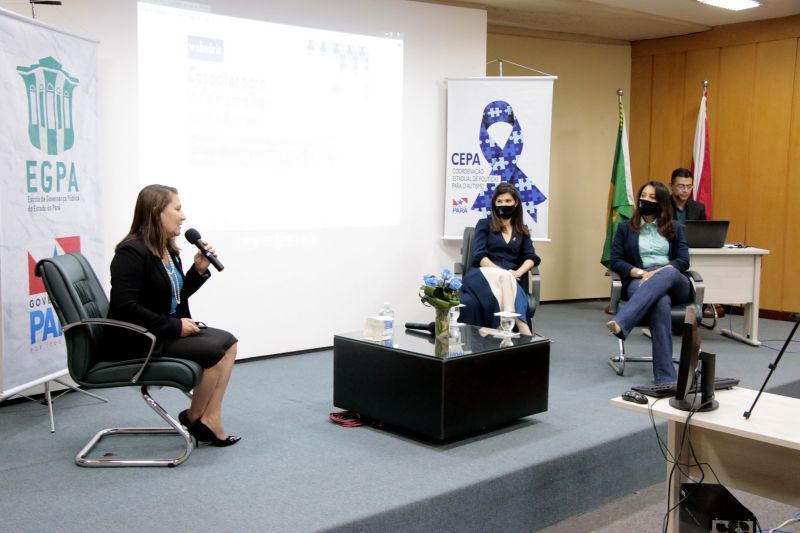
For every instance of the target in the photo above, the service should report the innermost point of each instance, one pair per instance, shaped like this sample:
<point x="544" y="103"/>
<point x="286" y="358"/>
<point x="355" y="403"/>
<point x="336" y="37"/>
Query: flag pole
<point x="701" y="156"/>
<point x="620" y="200"/>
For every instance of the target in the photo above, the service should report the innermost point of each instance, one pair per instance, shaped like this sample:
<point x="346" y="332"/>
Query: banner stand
<point x="50" y="192"/>
<point x="498" y="131"/>
<point x="500" y="62"/>
<point x="48" y="398"/>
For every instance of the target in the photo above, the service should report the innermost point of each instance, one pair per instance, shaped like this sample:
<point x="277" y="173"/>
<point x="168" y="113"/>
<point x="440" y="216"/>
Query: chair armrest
<point x="698" y="286"/>
<point x="616" y="291"/>
<point x="534" y="285"/>
<point x="124" y="325"/>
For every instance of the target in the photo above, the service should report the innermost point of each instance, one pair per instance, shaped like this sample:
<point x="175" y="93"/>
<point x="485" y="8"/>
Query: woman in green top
<point x="651" y="256"/>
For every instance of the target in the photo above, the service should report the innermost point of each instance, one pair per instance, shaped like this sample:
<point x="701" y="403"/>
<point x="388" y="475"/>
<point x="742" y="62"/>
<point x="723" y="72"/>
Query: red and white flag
<point x="701" y="159"/>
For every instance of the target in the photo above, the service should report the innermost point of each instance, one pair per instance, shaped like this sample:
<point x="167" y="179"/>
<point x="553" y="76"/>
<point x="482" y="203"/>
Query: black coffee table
<point x="441" y="389"/>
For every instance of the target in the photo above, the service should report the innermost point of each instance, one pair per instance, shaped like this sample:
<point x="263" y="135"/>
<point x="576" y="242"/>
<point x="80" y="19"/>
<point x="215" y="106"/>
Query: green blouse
<point x="653" y="248"/>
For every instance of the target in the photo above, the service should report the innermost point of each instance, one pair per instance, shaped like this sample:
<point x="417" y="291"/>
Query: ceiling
<point x="621" y="20"/>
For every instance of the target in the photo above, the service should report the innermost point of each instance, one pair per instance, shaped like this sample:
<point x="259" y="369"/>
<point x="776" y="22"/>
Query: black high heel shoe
<point x="183" y="418"/>
<point x="203" y="433"/>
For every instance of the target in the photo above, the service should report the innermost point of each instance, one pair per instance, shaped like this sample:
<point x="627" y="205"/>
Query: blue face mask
<point x="505" y="211"/>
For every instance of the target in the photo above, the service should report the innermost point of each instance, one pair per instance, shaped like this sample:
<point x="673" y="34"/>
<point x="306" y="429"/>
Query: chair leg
<point x="714" y="317"/>
<point x="617" y="362"/>
<point x="174" y="429"/>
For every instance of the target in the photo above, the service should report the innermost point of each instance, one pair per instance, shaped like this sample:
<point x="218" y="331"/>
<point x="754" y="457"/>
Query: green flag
<point x="620" y="196"/>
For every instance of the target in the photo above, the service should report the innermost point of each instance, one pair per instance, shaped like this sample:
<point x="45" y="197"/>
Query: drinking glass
<point x="507" y="324"/>
<point x="455" y="312"/>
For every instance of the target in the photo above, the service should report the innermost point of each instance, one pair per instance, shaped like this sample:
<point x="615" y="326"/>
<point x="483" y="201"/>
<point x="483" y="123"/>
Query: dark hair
<point x="150" y="203"/>
<point x="517" y="225"/>
<point x="680" y="173"/>
<point x="664" y="220"/>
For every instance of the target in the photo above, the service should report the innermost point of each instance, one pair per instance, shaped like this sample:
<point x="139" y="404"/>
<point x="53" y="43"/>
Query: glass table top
<point x="463" y="341"/>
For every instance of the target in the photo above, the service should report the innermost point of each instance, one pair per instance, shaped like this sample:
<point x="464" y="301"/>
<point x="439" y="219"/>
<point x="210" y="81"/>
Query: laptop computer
<point x="706" y="233"/>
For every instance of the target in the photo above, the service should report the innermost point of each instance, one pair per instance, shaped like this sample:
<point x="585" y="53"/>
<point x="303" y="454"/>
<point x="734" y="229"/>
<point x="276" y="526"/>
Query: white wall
<point x="343" y="284"/>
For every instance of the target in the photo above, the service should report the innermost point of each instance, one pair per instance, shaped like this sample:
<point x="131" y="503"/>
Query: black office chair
<point x="531" y="283"/>
<point x="81" y="305"/>
<point x="678" y="312"/>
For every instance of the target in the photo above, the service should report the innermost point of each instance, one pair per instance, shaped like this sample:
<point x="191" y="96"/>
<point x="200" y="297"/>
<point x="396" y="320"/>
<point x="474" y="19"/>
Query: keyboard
<point x="665" y="390"/>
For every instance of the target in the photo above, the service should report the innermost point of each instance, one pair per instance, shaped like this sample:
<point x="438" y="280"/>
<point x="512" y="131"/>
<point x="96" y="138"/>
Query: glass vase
<point x="442" y="322"/>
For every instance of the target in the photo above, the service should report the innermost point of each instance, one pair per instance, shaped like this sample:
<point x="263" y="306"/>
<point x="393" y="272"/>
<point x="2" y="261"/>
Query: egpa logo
<point x="50" y="91"/>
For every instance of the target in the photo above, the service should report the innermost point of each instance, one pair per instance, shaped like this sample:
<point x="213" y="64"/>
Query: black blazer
<point x="625" y="252"/>
<point x="694" y="210"/>
<point x="141" y="292"/>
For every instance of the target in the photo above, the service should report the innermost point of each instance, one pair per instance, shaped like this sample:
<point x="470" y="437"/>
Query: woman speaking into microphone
<point x="149" y="288"/>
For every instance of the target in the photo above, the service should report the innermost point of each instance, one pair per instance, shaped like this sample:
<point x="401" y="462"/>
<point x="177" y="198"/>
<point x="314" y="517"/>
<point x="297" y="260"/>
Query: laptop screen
<point x="706" y="233"/>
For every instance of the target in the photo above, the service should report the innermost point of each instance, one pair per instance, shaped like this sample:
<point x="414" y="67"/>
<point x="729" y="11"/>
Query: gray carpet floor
<point x="295" y="471"/>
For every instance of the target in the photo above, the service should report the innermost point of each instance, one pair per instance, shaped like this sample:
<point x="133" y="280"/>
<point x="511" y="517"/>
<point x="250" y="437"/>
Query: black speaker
<point x="710" y="508"/>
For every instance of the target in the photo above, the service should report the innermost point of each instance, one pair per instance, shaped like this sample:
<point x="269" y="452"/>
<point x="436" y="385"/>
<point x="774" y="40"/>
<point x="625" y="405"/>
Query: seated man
<point x="683" y="206"/>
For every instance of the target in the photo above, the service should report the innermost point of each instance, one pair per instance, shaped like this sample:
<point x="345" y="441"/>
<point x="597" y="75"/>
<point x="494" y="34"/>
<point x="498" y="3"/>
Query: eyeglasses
<point x="684" y="187"/>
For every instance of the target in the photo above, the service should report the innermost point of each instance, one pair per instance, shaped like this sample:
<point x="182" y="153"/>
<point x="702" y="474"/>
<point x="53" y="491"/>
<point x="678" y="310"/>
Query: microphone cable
<point x="346" y="419"/>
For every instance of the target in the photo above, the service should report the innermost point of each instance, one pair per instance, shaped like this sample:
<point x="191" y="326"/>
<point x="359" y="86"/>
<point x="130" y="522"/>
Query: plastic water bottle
<point x="388" y="325"/>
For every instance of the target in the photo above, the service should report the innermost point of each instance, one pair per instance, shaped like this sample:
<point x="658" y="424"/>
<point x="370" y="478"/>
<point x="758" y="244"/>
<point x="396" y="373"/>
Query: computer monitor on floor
<point x="688" y="396"/>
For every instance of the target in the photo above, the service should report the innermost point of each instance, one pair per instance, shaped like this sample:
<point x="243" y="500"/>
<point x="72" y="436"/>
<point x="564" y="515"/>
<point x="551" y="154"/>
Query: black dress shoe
<point x="203" y="433"/>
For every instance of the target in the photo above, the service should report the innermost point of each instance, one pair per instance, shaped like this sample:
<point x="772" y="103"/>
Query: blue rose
<point x="430" y="280"/>
<point x="454" y="284"/>
<point x="446" y="274"/>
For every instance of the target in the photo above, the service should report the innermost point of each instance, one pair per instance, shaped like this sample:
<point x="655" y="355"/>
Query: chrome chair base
<point x="174" y="429"/>
<point x="617" y="362"/>
<point x="713" y="318"/>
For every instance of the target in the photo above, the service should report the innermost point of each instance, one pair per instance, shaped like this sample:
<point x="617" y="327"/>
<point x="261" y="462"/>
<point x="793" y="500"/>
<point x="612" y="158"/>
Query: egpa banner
<point x="50" y="197"/>
<point x="498" y="129"/>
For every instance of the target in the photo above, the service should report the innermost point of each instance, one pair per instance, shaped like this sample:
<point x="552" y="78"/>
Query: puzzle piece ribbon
<point x="504" y="160"/>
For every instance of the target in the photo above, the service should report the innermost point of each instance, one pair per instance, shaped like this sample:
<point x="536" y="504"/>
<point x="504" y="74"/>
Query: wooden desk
<point x="732" y="276"/>
<point x="760" y="455"/>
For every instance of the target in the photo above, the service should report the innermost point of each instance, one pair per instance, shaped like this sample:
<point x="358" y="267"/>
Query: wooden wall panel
<point x="639" y="118"/>
<point x="667" y="114"/>
<point x="729" y="154"/>
<point x="769" y="157"/>
<point x="754" y="129"/>
<point x="722" y="36"/>
<point x="700" y="65"/>
<point x="791" y="262"/>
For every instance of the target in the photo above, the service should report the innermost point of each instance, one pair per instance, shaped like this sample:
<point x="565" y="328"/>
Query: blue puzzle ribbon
<point x="504" y="161"/>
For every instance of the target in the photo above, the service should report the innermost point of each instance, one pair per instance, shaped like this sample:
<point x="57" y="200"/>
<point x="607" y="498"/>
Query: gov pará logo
<point x="50" y="91"/>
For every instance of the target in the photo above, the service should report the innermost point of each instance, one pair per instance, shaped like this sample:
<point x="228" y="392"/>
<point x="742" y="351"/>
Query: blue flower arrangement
<point x="440" y="291"/>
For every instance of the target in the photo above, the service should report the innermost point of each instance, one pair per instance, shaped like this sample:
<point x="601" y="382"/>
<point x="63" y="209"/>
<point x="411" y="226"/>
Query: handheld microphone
<point x="193" y="236"/>
<point x="430" y="327"/>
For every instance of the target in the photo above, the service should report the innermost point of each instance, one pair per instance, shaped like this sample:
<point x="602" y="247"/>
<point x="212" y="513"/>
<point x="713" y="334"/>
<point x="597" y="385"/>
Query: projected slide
<point x="265" y="126"/>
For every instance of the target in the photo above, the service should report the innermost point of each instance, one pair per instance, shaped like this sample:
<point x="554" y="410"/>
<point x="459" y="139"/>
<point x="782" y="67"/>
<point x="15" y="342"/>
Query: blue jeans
<point x="650" y="304"/>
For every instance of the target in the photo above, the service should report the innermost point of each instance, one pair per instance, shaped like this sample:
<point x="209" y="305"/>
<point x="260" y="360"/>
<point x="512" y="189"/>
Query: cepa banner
<point x="498" y="130"/>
